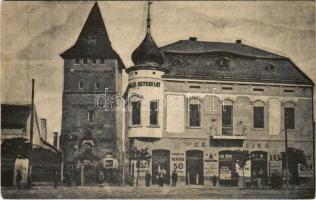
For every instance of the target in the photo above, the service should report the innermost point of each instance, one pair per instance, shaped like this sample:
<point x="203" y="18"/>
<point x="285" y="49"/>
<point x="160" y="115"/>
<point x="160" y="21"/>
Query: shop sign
<point x="225" y="173"/>
<point x="178" y="163"/>
<point x="144" y="83"/>
<point x="246" y="169"/>
<point x="143" y="167"/>
<point x="275" y="164"/>
<point x="211" y="165"/>
<point x="305" y="170"/>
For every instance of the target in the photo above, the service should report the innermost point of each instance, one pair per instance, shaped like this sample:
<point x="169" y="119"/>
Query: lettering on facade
<point x="211" y="164"/>
<point x="143" y="83"/>
<point x="178" y="163"/>
<point x="275" y="164"/>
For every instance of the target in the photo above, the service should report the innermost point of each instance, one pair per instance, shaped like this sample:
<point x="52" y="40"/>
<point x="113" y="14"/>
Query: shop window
<point x="258" y="115"/>
<point x="289" y="116"/>
<point x="80" y="85"/>
<point x="91" y="116"/>
<point x="154" y="113"/>
<point x="194" y="113"/>
<point x="227" y="118"/>
<point x="136" y="113"/>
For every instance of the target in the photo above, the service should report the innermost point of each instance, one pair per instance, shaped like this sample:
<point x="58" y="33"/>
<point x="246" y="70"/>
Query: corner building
<point x="193" y="103"/>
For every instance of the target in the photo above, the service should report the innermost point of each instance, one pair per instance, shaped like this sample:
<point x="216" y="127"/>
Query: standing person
<point x="214" y="179"/>
<point x="56" y="178"/>
<point x="174" y="178"/>
<point x="147" y="178"/>
<point x="18" y="178"/>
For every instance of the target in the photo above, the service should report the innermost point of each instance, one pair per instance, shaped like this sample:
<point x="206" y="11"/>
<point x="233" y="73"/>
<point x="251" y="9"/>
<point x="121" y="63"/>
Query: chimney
<point x="55" y="142"/>
<point x="44" y="129"/>
<point x="193" y="38"/>
<point x="238" y="41"/>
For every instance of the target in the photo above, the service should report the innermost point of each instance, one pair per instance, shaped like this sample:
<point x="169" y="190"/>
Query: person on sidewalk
<point x="56" y="178"/>
<point x="18" y="178"/>
<point x="147" y="178"/>
<point x="174" y="178"/>
<point x="214" y="180"/>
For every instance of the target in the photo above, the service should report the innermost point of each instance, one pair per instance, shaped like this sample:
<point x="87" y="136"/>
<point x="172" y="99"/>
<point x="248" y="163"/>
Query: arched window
<point x="91" y="116"/>
<point x="289" y="115"/>
<point x="194" y="107"/>
<point x="258" y="114"/>
<point x="227" y="117"/>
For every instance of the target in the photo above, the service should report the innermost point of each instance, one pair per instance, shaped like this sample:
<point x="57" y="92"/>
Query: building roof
<point x="147" y="52"/>
<point x="93" y="41"/>
<point x="192" y="59"/>
<point x="14" y="116"/>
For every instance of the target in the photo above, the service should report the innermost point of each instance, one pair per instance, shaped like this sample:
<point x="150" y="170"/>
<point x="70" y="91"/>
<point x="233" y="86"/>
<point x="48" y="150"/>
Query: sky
<point x="33" y="34"/>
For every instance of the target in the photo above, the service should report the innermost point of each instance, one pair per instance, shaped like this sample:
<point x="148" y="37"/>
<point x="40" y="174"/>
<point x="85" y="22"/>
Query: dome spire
<point x="148" y="16"/>
<point x="148" y="53"/>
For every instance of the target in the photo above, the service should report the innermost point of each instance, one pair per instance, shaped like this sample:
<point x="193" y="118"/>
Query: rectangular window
<point x="91" y="116"/>
<point x="227" y="88"/>
<point x="94" y="60"/>
<point x="227" y="120"/>
<point x="289" y="118"/>
<point x="258" y="117"/>
<point x="258" y="89"/>
<point x="194" y="115"/>
<point x="136" y="113"/>
<point x="195" y="86"/>
<point x="77" y="61"/>
<point x="80" y="85"/>
<point x="85" y="61"/>
<point x="154" y="113"/>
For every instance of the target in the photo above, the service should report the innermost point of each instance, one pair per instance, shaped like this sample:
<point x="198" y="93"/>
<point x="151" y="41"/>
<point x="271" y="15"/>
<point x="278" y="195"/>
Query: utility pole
<point x="29" y="180"/>
<point x="286" y="156"/>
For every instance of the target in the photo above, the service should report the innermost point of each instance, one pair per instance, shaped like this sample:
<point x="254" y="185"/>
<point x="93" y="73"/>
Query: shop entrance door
<point x="259" y="164"/>
<point x="161" y="165"/>
<point x="194" y="167"/>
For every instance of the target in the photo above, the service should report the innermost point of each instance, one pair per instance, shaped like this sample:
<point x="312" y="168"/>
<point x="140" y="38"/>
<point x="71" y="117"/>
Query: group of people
<point x="160" y="177"/>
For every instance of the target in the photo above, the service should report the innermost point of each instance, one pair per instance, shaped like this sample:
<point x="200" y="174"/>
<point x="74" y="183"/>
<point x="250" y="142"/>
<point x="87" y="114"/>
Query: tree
<point x="139" y="155"/>
<point x="294" y="157"/>
<point x="241" y="158"/>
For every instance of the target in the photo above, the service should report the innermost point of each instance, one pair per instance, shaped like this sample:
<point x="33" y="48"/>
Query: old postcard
<point x="157" y="99"/>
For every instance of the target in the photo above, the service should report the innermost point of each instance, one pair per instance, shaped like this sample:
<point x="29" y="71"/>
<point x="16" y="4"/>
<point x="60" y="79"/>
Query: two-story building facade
<point x="194" y="103"/>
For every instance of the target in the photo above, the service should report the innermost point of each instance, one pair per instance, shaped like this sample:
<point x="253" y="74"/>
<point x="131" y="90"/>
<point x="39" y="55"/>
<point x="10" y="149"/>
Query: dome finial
<point x="148" y="16"/>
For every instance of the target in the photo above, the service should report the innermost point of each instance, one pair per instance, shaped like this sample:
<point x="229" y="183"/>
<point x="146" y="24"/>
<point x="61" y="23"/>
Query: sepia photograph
<point x="158" y="99"/>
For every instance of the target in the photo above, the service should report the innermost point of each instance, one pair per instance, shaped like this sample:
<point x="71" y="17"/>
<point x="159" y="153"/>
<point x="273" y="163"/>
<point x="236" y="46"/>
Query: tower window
<point x="97" y="85"/>
<point x="80" y="85"/>
<point x="91" y="116"/>
<point x="194" y="113"/>
<point x="77" y="61"/>
<point x="154" y="113"/>
<point x="136" y="113"/>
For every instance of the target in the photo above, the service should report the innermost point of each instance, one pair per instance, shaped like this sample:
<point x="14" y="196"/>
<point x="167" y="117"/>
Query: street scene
<point x="151" y="99"/>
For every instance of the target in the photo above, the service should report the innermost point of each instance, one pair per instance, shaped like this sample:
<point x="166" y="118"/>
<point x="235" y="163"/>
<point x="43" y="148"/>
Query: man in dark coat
<point x="18" y="178"/>
<point x="174" y="178"/>
<point x="147" y="178"/>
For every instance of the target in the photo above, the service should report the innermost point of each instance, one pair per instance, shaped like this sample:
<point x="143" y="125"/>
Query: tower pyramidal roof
<point x="93" y="41"/>
<point x="147" y="53"/>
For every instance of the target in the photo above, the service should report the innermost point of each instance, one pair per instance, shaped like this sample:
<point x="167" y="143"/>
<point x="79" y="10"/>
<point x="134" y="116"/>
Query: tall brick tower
<point x="90" y="136"/>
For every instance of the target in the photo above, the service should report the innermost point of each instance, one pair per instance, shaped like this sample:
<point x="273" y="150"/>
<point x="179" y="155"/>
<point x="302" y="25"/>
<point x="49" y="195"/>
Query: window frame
<point x="231" y="104"/>
<point x="132" y="113"/>
<point x="190" y="102"/>
<point x="289" y="105"/>
<point x="156" y="111"/>
<point x="91" y="116"/>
